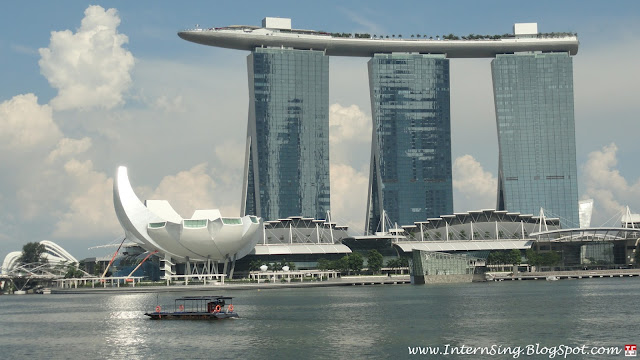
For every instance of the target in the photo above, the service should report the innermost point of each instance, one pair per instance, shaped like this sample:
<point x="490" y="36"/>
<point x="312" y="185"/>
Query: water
<point x="372" y="322"/>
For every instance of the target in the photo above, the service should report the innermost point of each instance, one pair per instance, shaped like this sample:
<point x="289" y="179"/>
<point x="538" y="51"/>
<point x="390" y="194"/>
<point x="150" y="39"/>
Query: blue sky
<point x="175" y="112"/>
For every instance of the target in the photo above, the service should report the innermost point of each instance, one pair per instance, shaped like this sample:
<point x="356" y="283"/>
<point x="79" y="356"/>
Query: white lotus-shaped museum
<point x="207" y="236"/>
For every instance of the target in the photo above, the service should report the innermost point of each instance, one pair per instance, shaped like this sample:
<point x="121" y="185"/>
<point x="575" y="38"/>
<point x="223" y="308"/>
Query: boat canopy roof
<point x="201" y="298"/>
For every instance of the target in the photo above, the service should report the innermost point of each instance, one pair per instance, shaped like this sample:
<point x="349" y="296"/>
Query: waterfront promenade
<point x="355" y="280"/>
<point x="141" y="288"/>
<point x="578" y="274"/>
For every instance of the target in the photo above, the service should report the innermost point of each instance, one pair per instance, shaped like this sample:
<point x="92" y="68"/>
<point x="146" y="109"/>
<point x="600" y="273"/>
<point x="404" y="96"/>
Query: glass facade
<point x="439" y="263"/>
<point x="533" y="96"/>
<point x="410" y="175"/>
<point x="287" y="161"/>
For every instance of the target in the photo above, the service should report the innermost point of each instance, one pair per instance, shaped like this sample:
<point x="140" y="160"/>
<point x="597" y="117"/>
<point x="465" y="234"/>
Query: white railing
<point x="212" y="278"/>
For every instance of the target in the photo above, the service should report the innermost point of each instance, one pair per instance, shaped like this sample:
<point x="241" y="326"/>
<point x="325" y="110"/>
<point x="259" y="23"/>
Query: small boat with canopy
<point x="197" y="308"/>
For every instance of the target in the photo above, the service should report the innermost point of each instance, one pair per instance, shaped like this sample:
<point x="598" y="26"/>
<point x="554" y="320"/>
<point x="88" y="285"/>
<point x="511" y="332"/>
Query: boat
<point x="552" y="278"/>
<point x="197" y="308"/>
<point x="44" y="291"/>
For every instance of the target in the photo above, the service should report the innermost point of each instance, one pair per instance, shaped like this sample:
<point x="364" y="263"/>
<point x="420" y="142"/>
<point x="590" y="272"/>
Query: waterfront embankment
<point x="229" y="285"/>
<point x="560" y="275"/>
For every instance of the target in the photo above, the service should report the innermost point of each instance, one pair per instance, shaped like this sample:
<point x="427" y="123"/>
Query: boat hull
<point x="191" y="315"/>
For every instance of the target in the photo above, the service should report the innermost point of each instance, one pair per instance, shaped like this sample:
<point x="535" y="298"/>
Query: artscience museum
<point x="207" y="237"/>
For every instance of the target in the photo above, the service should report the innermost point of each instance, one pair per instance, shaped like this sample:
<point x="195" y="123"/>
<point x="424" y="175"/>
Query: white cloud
<point x="349" y="196"/>
<point x="170" y="105"/>
<point x="89" y="212"/>
<point x="367" y="25"/>
<point x="349" y="136"/>
<point x="476" y="186"/>
<point x="31" y="141"/>
<point x="25" y="125"/>
<point x="348" y="124"/>
<point x="473" y="122"/>
<point x="89" y="68"/>
<point x="187" y="191"/>
<point x="231" y="153"/>
<point x="22" y="49"/>
<point x="609" y="189"/>
<point x="68" y="147"/>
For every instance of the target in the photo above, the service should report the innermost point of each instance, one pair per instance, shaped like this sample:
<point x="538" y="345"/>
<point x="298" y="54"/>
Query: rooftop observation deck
<point x="241" y="37"/>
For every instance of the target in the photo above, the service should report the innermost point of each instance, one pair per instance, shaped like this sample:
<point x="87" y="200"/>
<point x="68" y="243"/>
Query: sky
<point x="87" y="87"/>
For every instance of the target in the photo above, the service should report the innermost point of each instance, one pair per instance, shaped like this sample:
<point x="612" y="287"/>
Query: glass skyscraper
<point x="533" y="96"/>
<point x="410" y="173"/>
<point x="287" y="153"/>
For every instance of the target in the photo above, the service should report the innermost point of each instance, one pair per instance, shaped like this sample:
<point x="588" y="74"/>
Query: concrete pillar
<point x="226" y="264"/>
<point x="233" y="266"/>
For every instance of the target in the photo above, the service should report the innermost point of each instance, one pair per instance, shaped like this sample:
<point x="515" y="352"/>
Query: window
<point x="195" y="223"/>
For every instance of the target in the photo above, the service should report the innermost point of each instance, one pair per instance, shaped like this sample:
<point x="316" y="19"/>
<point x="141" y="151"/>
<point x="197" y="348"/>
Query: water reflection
<point x="340" y="322"/>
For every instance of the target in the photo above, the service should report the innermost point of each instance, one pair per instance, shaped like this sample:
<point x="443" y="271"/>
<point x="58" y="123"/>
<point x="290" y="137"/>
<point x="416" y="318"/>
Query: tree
<point x="397" y="263"/>
<point x="73" y="272"/>
<point x="32" y="253"/>
<point x="515" y="257"/>
<point x="374" y="261"/>
<point x="355" y="262"/>
<point x="500" y="258"/>
<point x="393" y="263"/>
<point x="324" y="264"/>
<point x="493" y="258"/>
<point x="463" y="235"/>
<point x="341" y="264"/>
<point x="533" y="258"/>
<point x="255" y="265"/>
<point x="550" y="258"/>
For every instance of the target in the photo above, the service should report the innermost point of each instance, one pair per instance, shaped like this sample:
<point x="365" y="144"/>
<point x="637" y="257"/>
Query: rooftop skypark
<point x="277" y="32"/>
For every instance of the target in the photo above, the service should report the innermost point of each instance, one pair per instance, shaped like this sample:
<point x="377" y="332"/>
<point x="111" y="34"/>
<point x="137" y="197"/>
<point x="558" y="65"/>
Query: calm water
<point x="374" y="322"/>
